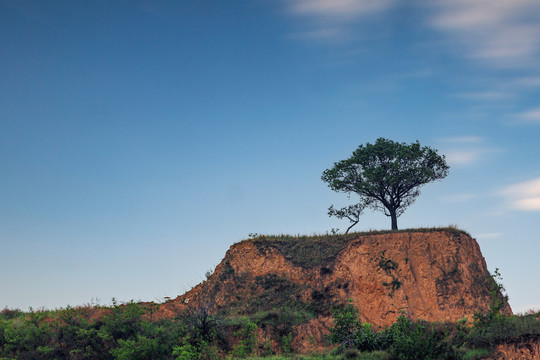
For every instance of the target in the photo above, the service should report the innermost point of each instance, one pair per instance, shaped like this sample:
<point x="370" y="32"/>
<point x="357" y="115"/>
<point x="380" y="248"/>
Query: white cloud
<point x="499" y="32"/>
<point x="330" y="19"/>
<point x="524" y="196"/>
<point x="529" y="116"/>
<point x="465" y="150"/>
<point x="503" y="32"/>
<point x="463" y="157"/>
<point x="338" y="8"/>
<point x="527" y="82"/>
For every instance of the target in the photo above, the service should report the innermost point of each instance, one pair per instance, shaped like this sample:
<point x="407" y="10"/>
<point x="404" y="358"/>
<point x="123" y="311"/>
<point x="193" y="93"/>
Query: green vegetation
<point x="321" y="249"/>
<point x="386" y="176"/>
<point x="409" y="339"/>
<point x="125" y="332"/>
<point x="263" y="319"/>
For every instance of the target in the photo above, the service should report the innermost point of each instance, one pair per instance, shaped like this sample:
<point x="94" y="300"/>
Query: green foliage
<point x="476" y="354"/>
<point x="128" y="332"/>
<point x="27" y="338"/>
<point x="123" y="322"/>
<point x="503" y="328"/>
<point x="369" y="340"/>
<point x="492" y="327"/>
<point x="265" y="348"/>
<point x="286" y="341"/>
<point x="346" y="326"/>
<point x="410" y="340"/>
<point x="497" y="301"/>
<point x="351" y="212"/>
<point x="8" y="314"/>
<point x="141" y="348"/>
<point x="405" y="339"/>
<point x="119" y="332"/>
<point x="244" y="347"/>
<point x="387" y="175"/>
<point x="185" y="352"/>
<point x="283" y="320"/>
<point x="366" y="355"/>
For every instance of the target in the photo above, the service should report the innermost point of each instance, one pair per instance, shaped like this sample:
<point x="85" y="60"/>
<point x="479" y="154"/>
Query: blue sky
<point x="140" y="139"/>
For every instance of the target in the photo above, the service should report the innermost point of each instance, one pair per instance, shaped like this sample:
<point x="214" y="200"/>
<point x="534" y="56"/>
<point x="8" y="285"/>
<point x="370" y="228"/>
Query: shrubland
<point x="125" y="331"/>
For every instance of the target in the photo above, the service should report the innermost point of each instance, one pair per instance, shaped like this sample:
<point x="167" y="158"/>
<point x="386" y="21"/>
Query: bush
<point x="286" y="341"/>
<point x="369" y="340"/>
<point x="418" y="340"/>
<point x="344" y="330"/>
<point x="475" y="354"/>
<point x="247" y="342"/>
<point x="141" y="348"/>
<point x="185" y="352"/>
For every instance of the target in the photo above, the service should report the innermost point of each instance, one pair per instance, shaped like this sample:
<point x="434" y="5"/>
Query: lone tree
<point x="386" y="175"/>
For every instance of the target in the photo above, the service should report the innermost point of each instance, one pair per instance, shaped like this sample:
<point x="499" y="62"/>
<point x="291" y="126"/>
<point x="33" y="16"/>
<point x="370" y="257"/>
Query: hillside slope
<point x="436" y="275"/>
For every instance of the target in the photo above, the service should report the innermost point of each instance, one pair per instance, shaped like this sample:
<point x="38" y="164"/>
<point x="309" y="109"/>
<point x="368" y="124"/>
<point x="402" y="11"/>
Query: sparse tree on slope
<point x="386" y="175"/>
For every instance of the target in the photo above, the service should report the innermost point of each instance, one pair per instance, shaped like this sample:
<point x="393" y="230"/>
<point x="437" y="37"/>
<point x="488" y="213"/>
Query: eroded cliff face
<point x="523" y="348"/>
<point x="431" y="275"/>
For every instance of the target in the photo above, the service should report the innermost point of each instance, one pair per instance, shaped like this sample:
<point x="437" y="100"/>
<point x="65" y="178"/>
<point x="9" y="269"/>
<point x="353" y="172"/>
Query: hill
<point x="431" y="274"/>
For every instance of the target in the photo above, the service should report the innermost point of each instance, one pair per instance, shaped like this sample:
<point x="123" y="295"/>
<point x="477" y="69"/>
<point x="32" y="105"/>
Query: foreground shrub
<point x="475" y="354"/>
<point x="248" y="339"/>
<point x="346" y="326"/>
<point x="412" y="340"/>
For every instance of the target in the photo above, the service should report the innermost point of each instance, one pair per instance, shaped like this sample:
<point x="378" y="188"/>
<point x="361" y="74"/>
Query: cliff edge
<point x="433" y="274"/>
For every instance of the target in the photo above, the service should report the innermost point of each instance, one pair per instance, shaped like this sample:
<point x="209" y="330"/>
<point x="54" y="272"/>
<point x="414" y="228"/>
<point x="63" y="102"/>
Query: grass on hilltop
<point x="320" y="249"/>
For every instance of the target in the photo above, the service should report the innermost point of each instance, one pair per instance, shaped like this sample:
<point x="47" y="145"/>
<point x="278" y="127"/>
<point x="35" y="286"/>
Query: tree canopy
<point x="386" y="175"/>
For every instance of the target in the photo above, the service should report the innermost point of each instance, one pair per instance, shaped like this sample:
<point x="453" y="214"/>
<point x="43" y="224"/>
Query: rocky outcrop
<point x="436" y="275"/>
<point x="523" y="348"/>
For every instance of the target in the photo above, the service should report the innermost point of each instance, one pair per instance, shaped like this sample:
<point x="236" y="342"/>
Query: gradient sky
<point x="140" y="139"/>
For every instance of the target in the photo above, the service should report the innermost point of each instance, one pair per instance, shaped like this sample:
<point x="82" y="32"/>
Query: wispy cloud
<point x="527" y="82"/>
<point x="524" y="196"/>
<point x="465" y="150"/>
<point x="484" y="95"/>
<point x="341" y="9"/>
<point x="529" y="116"/>
<point x="463" y="157"/>
<point x="331" y="19"/>
<point x="503" y="32"/>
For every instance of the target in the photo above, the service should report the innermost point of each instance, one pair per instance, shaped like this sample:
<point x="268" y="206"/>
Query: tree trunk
<point x="393" y="215"/>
